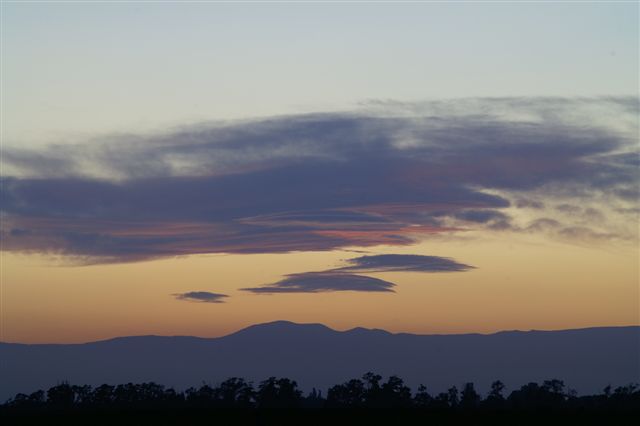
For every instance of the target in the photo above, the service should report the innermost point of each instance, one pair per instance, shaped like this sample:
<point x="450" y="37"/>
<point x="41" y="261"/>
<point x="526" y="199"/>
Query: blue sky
<point x="71" y="71"/>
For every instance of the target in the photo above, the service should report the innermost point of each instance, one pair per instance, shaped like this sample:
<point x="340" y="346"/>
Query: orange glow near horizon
<point x="519" y="283"/>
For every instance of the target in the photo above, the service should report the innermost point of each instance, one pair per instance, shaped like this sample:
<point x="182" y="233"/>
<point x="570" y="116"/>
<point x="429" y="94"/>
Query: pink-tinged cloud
<point x="307" y="183"/>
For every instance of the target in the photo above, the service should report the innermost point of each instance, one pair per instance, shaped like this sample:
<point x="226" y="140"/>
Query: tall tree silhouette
<point x="469" y="398"/>
<point x="495" y="399"/>
<point x="395" y="394"/>
<point x="61" y="396"/>
<point x="422" y="399"/>
<point x="236" y="392"/>
<point x="349" y="394"/>
<point x="202" y="396"/>
<point x="372" y="389"/>
<point x="103" y="395"/>
<point x="452" y="397"/>
<point x="278" y="393"/>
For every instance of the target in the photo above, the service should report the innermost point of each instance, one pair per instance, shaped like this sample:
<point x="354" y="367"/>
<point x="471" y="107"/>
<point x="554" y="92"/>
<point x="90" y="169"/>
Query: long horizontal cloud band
<point x="343" y="279"/>
<point x="403" y="263"/>
<point x="321" y="282"/>
<point x="201" y="296"/>
<point x="313" y="182"/>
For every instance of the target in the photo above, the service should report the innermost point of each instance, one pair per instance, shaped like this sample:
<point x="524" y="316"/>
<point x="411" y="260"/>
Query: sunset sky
<point x="195" y="168"/>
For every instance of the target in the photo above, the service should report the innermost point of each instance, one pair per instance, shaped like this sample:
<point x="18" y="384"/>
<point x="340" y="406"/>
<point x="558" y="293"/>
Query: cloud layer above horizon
<point x="201" y="296"/>
<point x="391" y="174"/>
<point x="321" y="282"/>
<point x="403" y="263"/>
<point x="343" y="279"/>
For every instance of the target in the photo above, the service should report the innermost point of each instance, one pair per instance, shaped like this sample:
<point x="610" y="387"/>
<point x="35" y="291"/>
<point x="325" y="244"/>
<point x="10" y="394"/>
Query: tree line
<point x="369" y="391"/>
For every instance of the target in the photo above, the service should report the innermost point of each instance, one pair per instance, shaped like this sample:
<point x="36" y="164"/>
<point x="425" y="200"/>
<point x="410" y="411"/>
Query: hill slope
<point x="317" y="356"/>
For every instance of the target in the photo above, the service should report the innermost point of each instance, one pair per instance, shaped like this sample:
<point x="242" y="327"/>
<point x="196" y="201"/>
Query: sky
<point x="194" y="168"/>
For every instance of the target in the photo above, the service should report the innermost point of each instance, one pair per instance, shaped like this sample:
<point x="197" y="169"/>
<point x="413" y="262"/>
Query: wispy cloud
<point x="201" y="296"/>
<point x="315" y="182"/>
<point x="321" y="282"/>
<point x="403" y="263"/>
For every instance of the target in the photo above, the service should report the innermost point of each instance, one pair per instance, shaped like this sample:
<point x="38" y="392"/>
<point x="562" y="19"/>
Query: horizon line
<point x="268" y="323"/>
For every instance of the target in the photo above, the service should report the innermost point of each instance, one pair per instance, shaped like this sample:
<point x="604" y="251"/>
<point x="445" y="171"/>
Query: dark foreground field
<point x="323" y="416"/>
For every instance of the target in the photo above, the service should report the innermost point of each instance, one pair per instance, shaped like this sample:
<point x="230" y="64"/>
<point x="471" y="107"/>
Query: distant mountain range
<point x="316" y="356"/>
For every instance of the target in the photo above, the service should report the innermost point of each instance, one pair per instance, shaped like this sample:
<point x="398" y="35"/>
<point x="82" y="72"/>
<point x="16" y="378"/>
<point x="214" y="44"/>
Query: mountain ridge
<point x="314" y="355"/>
<point x="290" y="325"/>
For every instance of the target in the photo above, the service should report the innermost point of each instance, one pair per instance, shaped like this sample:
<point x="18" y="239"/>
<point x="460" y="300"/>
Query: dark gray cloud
<point x="492" y="219"/>
<point x="571" y="232"/>
<point x="343" y="279"/>
<point x="322" y="282"/>
<point x="201" y="296"/>
<point x="531" y="204"/>
<point x="481" y="216"/>
<point x="404" y="263"/>
<point x="309" y="182"/>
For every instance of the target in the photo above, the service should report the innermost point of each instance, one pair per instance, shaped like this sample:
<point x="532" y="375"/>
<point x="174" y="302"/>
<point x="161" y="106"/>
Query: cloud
<point x="543" y="224"/>
<point x="587" y="213"/>
<point x="481" y="216"/>
<point x="321" y="282"/>
<point x="342" y="279"/>
<point x="531" y="204"/>
<point x="201" y="296"/>
<point x="391" y="176"/>
<point x="404" y="263"/>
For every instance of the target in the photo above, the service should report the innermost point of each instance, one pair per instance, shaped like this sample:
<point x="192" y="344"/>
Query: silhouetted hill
<point x="282" y="329"/>
<point x="317" y="356"/>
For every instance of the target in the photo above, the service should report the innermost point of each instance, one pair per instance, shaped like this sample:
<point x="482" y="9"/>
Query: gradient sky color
<point x="151" y="150"/>
<point x="84" y="69"/>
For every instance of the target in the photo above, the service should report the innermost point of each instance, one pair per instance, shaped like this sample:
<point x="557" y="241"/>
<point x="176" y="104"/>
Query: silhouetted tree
<point x="349" y="394"/>
<point x="372" y="389"/>
<point x="469" y="398"/>
<point x="395" y="394"/>
<point x="314" y="399"/>
<point x="102" y="395"/>
<point x="150" y="393"/>
<point x="125" y="394"/>
<point x="532" y="395"/>
<point x="31" y="401"/>
<point x="495" y="399"/>
<point x="441" y="401"/>
<point x="61" y="396"/>
<point x="236" y="392"/>
<point x="422" y="399"/>
<point x="625" y="396"/>
<point x="525" y="396"/>
<point x="452" y="397"/>
<point x="278" y="393"/>
<point x="83" y="394"/>
<point x="497" y="388"/>
<point x="554" y="393"/>
<point x="19" y="400"/>
<point x="37" y="397"/>
<point x="200" y="397"/>
<point x="370" y="392"/>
